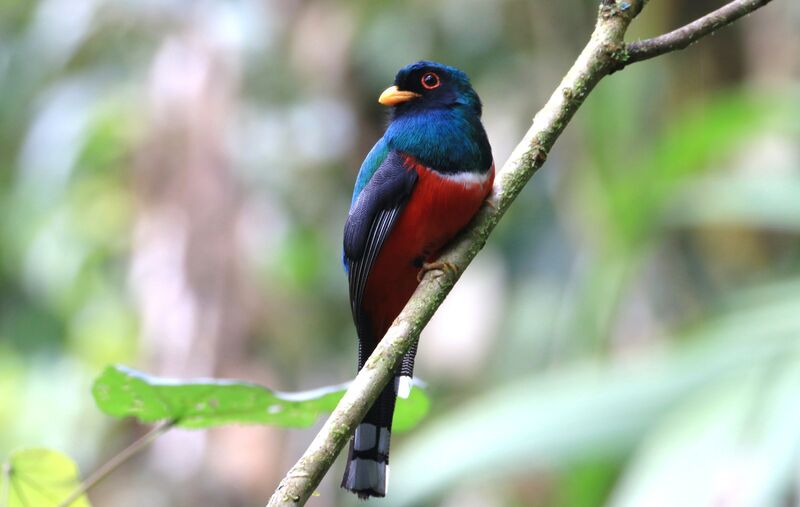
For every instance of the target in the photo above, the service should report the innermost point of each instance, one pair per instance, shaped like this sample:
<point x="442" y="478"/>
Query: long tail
<point x="367" y="472"/>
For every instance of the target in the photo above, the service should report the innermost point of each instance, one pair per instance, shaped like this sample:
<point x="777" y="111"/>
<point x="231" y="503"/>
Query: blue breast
<point x="448" y="140"/>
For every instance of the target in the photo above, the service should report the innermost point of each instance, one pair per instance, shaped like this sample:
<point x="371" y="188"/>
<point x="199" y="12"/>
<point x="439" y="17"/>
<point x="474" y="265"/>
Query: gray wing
<point x="370" y="221"/>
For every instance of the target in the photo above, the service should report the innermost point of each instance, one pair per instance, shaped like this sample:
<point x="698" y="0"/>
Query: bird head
<point x="430" y="85"/>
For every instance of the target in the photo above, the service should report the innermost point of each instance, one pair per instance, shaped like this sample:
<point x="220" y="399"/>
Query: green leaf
<point x="205" y="403"/>
<point x="39" y="478"/>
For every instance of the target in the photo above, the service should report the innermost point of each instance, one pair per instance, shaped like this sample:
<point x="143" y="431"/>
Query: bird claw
<point x="442" y="267"/>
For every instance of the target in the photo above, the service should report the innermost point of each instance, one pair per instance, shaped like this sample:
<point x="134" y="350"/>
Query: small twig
<point x="684" y="36"/>
<point x="117" y="460"/>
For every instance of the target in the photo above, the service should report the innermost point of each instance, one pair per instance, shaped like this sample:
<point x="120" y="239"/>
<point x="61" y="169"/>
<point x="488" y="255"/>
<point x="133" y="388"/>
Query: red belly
<point x="438" y="209"/>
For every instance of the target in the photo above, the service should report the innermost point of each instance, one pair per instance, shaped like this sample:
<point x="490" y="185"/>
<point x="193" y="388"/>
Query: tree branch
<point x="686" y="35"/>
<point x="604" y="53"/>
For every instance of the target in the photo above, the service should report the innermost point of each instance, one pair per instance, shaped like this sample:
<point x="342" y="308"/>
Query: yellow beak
<point x="392" y="96"/>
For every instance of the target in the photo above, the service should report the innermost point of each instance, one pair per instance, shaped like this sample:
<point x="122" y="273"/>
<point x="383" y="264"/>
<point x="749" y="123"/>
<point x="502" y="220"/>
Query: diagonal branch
<point x="686" y="35"/>
<point x="604" y="53"/>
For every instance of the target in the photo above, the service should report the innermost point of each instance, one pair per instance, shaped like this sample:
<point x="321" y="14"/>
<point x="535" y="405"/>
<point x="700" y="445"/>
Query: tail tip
<point x="366" y="478"/>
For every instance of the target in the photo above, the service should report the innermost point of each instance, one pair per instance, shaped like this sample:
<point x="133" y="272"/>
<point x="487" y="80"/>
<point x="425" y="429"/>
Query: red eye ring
<point x="430" y="81"/>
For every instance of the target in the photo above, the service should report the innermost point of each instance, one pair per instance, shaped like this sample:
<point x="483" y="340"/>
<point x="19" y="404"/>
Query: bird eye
<point x="430" y="81"/>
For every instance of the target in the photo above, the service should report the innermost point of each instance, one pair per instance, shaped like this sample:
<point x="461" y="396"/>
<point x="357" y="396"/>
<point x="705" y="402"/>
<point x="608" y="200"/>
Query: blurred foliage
<point x="205" y="403"/>
<point x="603" y="410"/>
<point x="38" y="478"/>
<point x="174" y="177"/>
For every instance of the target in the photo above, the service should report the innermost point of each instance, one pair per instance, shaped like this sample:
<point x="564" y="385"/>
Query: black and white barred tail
<point x="367" y="471"/>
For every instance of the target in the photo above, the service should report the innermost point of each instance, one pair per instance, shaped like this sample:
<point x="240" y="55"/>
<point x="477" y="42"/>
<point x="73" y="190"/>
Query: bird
<point x="418" y="187"/>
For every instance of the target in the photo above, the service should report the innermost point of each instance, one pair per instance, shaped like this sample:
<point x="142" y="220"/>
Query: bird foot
<point x="488" y="203"/>
<point x="442" y="267"/>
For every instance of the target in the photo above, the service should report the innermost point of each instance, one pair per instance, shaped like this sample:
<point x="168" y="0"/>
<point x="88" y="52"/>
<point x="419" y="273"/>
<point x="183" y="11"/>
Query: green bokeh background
<point x="174" y="179"/>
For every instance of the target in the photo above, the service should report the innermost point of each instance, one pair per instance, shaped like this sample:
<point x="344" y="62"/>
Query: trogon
<point x="421" y="183"/>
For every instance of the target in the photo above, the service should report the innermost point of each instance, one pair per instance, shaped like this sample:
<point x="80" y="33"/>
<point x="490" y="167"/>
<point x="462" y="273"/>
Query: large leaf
<point x="204" y="403"/>
<point x="39" y="478"/>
